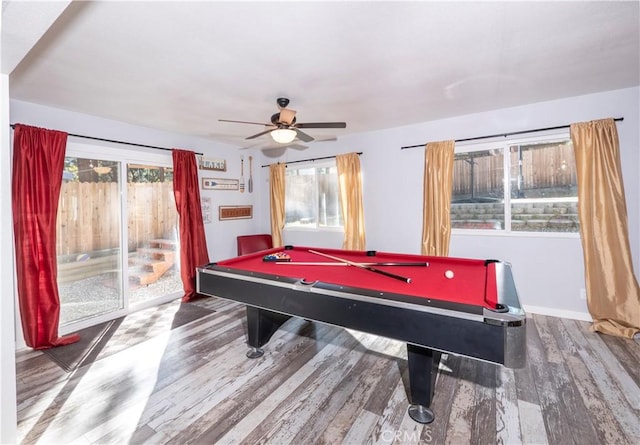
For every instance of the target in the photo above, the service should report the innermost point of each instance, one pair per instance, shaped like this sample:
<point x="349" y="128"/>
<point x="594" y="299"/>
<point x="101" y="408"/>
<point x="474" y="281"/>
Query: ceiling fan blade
<point x="322" y="125"/>
<point x="297" y="146"/>
<point x="241" y="122"/>
<point x="274" y="152"/>
<point x="287" y="116"/>
<point x="304" y="137"/>
<point x="290" y="145"/>
<point x="260" y="134"/>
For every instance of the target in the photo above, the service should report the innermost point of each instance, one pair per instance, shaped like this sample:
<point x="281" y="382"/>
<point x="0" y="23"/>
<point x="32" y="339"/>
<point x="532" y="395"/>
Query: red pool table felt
<point x="473" y="282"/>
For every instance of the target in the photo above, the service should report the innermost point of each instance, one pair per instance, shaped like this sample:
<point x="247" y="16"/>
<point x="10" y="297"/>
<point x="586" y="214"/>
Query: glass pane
<point x="477" y="200"/>
<point x="152" y="243"/>
<point x="300" y="202"/>
<point x="544" y="194"/>
<point x="329" y="214"/>
<point x="88" y="240"/>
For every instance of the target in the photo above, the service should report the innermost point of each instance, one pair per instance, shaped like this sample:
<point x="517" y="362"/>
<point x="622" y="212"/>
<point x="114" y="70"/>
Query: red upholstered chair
<point x="253" y="243"/>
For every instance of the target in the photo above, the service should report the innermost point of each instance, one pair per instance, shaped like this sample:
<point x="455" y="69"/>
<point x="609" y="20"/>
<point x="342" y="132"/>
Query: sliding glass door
<point x="152" y="233"/>
<point x="88" y="239"/>
<point x="117" y="243"/>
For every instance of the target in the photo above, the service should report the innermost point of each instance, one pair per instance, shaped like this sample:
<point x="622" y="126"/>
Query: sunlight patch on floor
<point x="139" y="363"/>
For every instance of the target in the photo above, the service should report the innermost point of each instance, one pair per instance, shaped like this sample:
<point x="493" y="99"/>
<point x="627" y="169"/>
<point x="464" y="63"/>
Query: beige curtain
<point x="438" y="181"/>
<point x="613" y="295"/>
<point x="350" y="188"/>
<point x="276" y="183"/>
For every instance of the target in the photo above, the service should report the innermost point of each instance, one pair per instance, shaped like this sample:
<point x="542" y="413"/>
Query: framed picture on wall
<point x="235" y="212"/>
<point x="220" y="184"/>
<point x="206" y="210"/>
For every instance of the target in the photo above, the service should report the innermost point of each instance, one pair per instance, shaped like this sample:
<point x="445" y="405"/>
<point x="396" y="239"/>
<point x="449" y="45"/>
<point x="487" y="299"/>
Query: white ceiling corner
<point x="23" y="24"/>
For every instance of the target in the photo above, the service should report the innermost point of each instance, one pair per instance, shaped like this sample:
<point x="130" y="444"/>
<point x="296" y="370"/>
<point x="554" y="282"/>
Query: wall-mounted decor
<point x="235" y="212"/>
<point x="219" y="184"/>
<point x="207" y="213"/>
<point x="213" y="164"/>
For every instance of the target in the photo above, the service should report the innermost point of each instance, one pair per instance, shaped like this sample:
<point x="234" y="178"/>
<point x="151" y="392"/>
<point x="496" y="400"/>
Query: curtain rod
<point x="114" y="141"/>
<point x="513" y="133"/>
<point x="308" y="160"/>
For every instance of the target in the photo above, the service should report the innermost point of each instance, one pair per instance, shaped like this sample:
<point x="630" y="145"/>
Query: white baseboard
<point x="561" y="313"/>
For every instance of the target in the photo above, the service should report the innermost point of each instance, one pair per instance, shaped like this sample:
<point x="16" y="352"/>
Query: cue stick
<point x="369" y="268"/>
<point x="324" y="263"/>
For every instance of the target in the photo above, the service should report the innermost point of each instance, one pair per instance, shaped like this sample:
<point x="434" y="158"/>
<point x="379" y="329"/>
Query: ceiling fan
<point x="284" y="128"/>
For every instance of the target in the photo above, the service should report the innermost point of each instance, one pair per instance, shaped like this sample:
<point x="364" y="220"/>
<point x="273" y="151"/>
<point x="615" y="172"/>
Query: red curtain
<point x="38" y="161"/>
<point x="193" y="245"/>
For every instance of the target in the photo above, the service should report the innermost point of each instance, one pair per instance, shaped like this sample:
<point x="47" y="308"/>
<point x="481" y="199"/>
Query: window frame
<point x="123" y="157"/>
<point x="298" y="228"/>
<point x="504" y="145"/>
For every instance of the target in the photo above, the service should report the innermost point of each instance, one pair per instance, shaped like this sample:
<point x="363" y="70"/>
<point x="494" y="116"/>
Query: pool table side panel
<point x="449" y="334"/>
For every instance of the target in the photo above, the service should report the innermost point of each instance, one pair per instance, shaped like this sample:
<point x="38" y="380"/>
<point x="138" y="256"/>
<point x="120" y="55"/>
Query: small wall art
<point x="235" y="212"/>
<point x="207" y="213"/>
<point x="220" y="184"/>
<point x="213" y="164"/>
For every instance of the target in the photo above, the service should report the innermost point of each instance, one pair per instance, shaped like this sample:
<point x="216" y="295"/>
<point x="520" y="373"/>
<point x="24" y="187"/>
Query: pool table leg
<point x="423" y="369"/>
<point x="261" y="325"/>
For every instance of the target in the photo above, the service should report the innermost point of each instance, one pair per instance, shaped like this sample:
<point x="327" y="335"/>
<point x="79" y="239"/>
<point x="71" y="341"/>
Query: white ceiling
<point x="181" y="66"/>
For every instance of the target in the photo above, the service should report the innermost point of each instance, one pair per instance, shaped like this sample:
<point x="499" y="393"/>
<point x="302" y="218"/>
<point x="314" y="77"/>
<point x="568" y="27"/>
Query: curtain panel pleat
<point x="193" y="243"/>
<point x="613" y="295"/>
<point x="350" y="189"/>
<point x="38" y="162"/>
<point x="438" y="183"/>
<point x="277" y="174"/>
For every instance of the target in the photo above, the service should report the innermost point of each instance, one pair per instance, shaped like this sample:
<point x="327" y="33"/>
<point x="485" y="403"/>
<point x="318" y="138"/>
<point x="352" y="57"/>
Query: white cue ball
<point x="449" y="274"/>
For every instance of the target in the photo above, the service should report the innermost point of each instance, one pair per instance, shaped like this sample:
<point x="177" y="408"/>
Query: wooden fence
<point x="548" y="167"/>
<point x="477" y="175"/>
<point x="89" y="216"/>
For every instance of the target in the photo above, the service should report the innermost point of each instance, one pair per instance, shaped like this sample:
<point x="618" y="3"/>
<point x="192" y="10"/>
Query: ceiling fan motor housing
<point x="275" y="120"/>
<point x="282" y="102"/>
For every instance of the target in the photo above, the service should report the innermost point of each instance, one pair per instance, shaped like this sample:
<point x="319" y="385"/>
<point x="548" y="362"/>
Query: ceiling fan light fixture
<point x="102" y="170"/>
<point x="283" y="135"/>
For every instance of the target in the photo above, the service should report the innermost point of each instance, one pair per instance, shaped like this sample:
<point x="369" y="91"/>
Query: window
<point x="311" y="197"/>
<point x="516" y="187"/>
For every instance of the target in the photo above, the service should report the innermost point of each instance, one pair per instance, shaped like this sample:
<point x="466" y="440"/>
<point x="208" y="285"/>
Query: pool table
<point x="436" y="305"/>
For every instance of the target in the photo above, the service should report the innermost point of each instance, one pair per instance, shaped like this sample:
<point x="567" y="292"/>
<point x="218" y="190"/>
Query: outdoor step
<point x="476" y="224"/>
<point x="154" y="252"/>
<point x="144" y="279"/>
<point x="141" y="276"/>
<point x="164" y="243"/>
<point x="541" y="224"/>
<point x="149" y="265"/>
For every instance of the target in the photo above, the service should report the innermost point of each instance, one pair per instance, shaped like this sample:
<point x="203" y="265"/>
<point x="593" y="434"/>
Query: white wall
<point x="549" y="271"/>
<point x="7" y="331"/>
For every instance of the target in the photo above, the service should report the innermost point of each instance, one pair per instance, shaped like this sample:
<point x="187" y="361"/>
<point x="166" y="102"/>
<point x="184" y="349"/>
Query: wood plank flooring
<point x="327" y="385"/>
